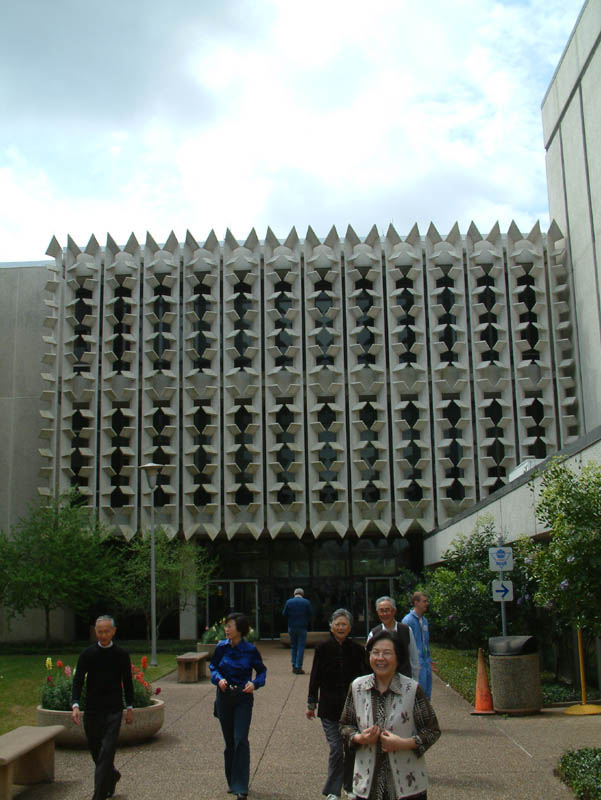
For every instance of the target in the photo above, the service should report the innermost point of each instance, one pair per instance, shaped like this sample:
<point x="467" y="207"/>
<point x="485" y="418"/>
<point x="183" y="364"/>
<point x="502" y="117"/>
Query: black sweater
<point x="335" y="667"/>
<point x="109" y="673"/>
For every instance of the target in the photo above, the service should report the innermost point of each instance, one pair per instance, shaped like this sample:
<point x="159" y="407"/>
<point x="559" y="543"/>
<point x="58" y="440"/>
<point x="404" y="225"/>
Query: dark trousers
<point x="102" y="730"/>
<point x="341" y="761"/>
<point x="298" y="640"/>
<point x="234" y="709"/>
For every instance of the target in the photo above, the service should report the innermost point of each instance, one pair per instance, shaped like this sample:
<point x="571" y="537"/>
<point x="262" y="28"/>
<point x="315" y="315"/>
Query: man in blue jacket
<point x="419" y="625"/>
<point x="298" y="612"/>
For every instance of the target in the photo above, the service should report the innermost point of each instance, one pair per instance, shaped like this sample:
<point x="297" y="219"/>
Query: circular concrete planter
<point x="147" y="722"/>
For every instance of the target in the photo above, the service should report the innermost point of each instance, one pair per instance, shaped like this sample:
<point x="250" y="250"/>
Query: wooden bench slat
<point x="21" y="740"/>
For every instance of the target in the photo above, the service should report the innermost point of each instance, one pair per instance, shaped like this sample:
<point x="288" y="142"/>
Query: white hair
<point x="105" y="618"/>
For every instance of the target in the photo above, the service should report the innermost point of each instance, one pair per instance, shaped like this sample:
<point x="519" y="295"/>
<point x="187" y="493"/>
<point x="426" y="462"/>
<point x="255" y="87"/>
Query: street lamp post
<point x="152" y="472"/>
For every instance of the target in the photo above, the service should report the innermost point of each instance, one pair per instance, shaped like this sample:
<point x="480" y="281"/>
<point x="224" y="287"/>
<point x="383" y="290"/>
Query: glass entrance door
<point x="374" y="588"/>
<point x="223" y="597"/>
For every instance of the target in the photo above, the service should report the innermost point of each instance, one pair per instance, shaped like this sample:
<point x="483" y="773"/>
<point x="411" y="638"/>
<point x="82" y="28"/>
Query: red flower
<point x="157" y="690"/>
<point x="59" y="664"/>
<point x="146" y="685"/>
<point x="144" y="662"/>
<point x="49" y="680"/>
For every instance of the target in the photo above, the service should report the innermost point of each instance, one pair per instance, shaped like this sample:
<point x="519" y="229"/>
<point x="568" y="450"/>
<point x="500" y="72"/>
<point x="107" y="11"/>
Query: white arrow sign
<point x="502" y="590"/>
<point x="500" y="559"/>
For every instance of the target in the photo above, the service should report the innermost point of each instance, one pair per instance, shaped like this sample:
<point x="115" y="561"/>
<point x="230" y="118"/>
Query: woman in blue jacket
<point x="231" y="668"/>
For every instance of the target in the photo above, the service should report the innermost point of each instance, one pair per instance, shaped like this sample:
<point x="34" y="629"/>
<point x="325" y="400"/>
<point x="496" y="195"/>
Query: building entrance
<point x="258" y="576"/>
<point x="226" y="596"/>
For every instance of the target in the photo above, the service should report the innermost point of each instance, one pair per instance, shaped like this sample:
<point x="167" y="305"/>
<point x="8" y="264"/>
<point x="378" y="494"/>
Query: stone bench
<point x="191" y="667"/>
<point x="26" y="757"/>
<point x="313" y="638"/>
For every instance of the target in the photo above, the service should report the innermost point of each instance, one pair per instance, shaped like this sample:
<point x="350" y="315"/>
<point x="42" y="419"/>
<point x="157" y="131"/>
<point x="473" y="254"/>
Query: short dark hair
<point x="399" y="646"/>
<point x="241" y="622"/>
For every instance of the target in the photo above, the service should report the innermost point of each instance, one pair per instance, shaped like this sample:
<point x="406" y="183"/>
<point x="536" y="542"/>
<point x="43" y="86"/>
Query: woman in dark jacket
<point x="336" y="663"/>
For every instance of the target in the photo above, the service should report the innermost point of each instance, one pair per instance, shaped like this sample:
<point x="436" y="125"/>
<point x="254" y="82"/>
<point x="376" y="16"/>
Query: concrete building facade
<point x="321" y="407"/>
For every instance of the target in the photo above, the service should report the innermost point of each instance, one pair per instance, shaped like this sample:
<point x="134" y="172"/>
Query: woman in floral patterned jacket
<point x="390" y="723"/>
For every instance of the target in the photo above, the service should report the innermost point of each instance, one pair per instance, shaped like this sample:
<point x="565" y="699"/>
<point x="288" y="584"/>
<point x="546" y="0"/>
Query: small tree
<point x="183" y="570"/>
<point x="53" y="558"/>
<point x="568" y="571"/>
<point x="462" y="609"/>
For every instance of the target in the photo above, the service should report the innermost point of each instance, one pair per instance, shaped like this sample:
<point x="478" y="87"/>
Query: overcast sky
<point x="136" y="115"/>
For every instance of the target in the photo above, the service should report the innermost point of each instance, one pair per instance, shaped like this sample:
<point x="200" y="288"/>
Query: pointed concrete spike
<point x="312" y="237"/>
<point x="172" y="244"/>
<point x="433" y="234"/>
<point x="54" y="249"/>
<point x="373" y="237"/>
<point x="352" y="237"/>
<point x="514" y="233"/>
<point x="554" y="233"/>
<point x="392" y="236"/>
<point x="271" y="239"/>
<point x="454" y="235"/>
<point x="72" y="246"/>
<point x="292" y="239"/>
<point x="132" y="246"/>
<point x="495" y="232"/>
<point x="92" y="247"/>
<point x="414" y="235"/>
<point x="252" y="240"/>
<point x="212" y="242"/>
<point x="191" y="241"/>
<point x="473" y="232"/>
<point x="150" y="243"/>
<point x="230" y="241"/>
<point x="332" y="239"/>
<point x="534" y="235"/>
<point x="111" y="245"/>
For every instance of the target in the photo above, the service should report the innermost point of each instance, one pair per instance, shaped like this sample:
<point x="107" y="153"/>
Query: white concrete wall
<point x="31" y="626"/>
<point x="512" y="510"/>
<point x="571" y="114"/>
<point x="22" y="313"/>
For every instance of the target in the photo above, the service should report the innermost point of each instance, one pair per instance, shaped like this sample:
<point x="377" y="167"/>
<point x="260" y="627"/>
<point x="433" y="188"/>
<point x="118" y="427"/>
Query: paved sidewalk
<point x="476" y="758"/>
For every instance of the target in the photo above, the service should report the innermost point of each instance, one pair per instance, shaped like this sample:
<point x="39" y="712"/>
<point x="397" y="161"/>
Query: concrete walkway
<point x="476" y="758"/>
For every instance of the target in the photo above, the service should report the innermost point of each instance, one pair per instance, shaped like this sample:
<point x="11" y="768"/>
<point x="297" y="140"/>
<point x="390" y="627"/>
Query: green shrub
<point x="581" y="770"/>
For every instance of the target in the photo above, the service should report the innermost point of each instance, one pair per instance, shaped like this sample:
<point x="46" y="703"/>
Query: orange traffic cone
<point x="483" y="696"/>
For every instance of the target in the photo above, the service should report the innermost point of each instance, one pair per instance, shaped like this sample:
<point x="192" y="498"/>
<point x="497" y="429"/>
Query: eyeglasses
<point x="382" y="653"/>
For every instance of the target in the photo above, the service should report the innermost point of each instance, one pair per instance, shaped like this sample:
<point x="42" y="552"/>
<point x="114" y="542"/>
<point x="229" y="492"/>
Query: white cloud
<point x="281" y="113"/>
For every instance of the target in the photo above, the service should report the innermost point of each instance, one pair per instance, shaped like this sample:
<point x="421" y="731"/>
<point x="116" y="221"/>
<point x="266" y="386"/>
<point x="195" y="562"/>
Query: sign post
<point x="500" y="559"/>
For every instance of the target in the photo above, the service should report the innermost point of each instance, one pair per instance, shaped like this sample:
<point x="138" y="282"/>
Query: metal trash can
<point x="515" y="674"/>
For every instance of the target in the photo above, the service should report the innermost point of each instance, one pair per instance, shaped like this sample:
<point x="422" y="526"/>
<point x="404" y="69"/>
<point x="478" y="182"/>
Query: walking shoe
<point x="300" y="671"/>
<point x="115" y="781"/>
<point x="332" y="797"/>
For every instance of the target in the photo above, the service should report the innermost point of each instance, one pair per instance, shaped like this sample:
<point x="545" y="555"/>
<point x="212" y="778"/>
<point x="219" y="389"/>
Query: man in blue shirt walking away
<point x="298" y="612"/>
<point x="421" y="633"/>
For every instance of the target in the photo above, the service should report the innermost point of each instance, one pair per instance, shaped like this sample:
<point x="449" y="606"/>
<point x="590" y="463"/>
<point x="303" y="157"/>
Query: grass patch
<point x="581" y="770"/>
<point x="21" y="678"/>
<point x="458" y="668"/>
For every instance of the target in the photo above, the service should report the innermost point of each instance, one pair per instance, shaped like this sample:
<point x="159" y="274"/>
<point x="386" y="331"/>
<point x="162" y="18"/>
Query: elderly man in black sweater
<point x="108" y="670"/>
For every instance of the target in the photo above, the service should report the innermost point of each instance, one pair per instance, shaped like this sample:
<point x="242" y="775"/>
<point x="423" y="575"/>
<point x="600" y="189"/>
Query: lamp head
<point x="152" y="472"/>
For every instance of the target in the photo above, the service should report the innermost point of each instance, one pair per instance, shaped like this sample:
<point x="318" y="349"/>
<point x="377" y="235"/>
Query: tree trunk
<point x="47" y="616"/>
